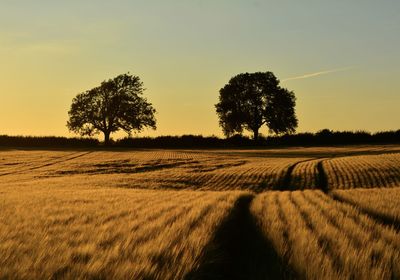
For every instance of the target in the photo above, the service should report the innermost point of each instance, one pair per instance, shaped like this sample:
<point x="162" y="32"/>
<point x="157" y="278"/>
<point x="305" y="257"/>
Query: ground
<point x="320" y="212"/>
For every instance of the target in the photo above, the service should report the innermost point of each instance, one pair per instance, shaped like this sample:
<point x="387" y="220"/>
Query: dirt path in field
<point x="61" y="159"/>
<point x="239" y="250"/>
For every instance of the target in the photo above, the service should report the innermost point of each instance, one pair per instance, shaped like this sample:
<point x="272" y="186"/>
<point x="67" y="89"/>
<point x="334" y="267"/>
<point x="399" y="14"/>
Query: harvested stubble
<point x="384" y="203"/>
<point x="113" y="233"/>
<point x="320" y="238"/>
<point x="368" y="171"/>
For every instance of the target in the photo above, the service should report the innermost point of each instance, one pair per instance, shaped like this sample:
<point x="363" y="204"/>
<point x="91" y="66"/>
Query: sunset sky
<point x="341" y="58"/>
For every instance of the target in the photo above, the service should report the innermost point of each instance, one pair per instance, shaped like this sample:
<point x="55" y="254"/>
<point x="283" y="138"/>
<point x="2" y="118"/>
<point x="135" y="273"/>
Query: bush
<point x="46" y="141"/>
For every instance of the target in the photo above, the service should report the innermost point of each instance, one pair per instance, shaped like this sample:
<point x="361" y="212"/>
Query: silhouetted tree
<point x="115" y="104"/>
<point x="251" y="100"/>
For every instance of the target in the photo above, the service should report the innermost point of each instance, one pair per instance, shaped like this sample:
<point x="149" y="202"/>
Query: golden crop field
<point x="309" y="213"/>
<point x="320" y="238"/>
<point x="305" y="175"/>
<point x="113" y="233"/>
<point x="383" y="202"/>
<point x="367" y="171"/>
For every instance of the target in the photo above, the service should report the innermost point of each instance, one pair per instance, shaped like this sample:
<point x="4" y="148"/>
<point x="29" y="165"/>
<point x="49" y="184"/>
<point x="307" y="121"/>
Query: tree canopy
<point x="250" y="100"/>
<point x="117" y="104"/>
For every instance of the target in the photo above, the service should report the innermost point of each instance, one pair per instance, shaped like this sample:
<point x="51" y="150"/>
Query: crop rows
<point x="202" y="170"/>
<point x="305" y="175"/>
<point x="383" y="203"/>
<point x="166" y="169"/>
<point x="363" y="171"/>
<point x="255" y="175"/>
<point x="16" y="160"/>
<point x="113" y="233"/>
<point x="319" y="238"/>
<point x="213" y="174"/>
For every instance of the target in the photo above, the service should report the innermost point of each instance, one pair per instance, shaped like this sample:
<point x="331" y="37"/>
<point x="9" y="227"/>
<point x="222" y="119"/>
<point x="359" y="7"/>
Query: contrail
<point x="305" y="76"/>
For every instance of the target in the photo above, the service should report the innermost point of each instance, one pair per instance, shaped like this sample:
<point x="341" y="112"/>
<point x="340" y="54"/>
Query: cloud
<point x="315" y="74"/>
<point x="23" y="43"/>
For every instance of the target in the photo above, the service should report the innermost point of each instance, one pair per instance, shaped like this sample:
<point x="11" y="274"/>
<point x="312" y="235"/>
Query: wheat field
<point x="308" y="213"/>
<point x="308" y="227"/>
<point x="381" y="202"/>
<point x="372" y="171"/>
<point x="115" y="233"/>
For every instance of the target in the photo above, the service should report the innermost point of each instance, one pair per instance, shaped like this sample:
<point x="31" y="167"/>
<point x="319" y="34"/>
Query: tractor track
<point x="321" y="180"/>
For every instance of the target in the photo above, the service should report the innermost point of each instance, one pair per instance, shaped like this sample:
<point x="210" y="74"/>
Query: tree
<point x="250" y="100"/>
<point x="114" y="105"/>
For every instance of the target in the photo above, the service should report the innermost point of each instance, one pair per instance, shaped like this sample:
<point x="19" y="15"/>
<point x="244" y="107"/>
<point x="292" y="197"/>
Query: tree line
<point x="323" y="137"/>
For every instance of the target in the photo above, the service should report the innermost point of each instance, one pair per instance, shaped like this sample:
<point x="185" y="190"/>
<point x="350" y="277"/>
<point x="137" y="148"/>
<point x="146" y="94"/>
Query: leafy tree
<point x="250" y="100"/>
<point x="114" y="105"/>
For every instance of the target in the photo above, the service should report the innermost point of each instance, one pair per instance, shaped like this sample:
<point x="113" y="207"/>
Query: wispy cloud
<point x="23" y="43"/>
<point x="315" y="74"/>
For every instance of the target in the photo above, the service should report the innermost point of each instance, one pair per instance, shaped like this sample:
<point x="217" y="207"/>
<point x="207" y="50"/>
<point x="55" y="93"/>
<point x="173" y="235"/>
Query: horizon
<point x="121" y="135"/>
<point x="340" y="59"/>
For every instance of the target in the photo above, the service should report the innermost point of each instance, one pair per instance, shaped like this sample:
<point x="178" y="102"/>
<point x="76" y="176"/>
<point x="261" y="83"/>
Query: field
<point x="308" y="227"/>
<point x="308" y="213"/>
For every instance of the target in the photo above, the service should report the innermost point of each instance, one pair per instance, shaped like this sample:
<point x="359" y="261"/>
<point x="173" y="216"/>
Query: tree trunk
<point x="255" y="136"/>
<point x="106" y="138"/>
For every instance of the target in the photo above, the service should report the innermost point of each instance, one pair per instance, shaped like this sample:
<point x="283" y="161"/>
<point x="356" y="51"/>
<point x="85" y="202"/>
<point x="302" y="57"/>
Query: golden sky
<point x="341" y="58"/>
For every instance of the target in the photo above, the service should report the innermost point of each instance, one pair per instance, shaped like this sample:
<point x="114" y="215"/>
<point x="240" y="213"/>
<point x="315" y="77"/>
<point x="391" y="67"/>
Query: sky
<point x="341" y="58"/>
